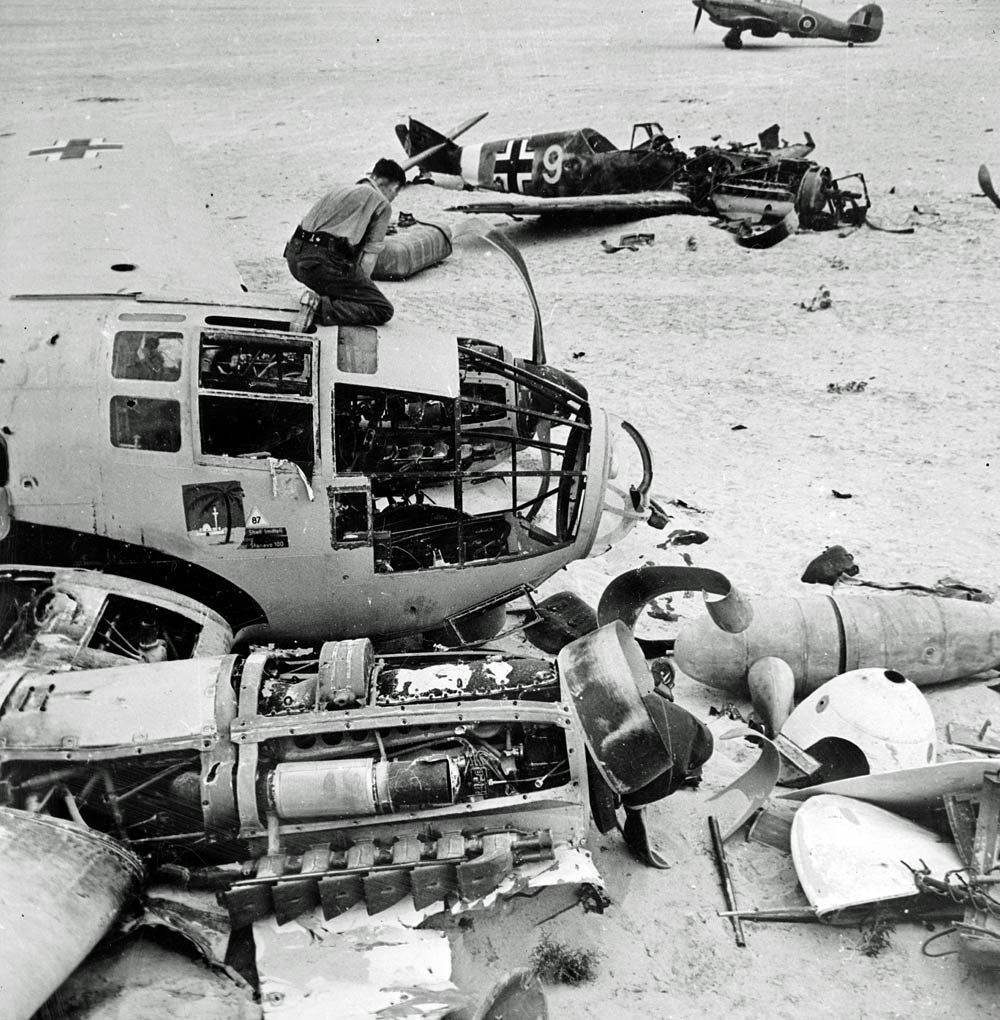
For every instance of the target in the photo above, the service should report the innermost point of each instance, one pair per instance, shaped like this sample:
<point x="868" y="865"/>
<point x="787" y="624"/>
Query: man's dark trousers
<point x="348" y="297"/>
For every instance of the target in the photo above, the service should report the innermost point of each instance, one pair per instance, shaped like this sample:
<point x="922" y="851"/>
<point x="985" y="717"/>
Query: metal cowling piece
<point x="642" y="744"/>
<point x="864" y="722"/>
<point x="628" y="594"/>
<point x="61" y="888"/>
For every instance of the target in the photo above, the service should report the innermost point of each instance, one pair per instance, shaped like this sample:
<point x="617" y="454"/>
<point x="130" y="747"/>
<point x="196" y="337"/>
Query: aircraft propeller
<point x="450" y="137"/>
<point x="698" y="10"/>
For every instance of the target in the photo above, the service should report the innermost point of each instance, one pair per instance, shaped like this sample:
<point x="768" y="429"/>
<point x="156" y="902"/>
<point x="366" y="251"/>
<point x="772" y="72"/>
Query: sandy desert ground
<point x="272" y="101"/>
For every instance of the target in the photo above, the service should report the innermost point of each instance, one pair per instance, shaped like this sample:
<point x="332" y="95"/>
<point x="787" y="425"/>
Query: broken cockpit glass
<point x="498" y="472"/>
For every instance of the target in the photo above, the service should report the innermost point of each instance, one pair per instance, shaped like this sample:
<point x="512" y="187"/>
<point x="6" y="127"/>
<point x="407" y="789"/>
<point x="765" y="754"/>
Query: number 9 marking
<point x="552" y="163"/>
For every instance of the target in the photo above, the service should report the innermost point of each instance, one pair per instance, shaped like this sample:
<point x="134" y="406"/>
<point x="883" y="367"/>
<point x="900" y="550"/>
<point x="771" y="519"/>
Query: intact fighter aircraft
<point x="766" y="18"/>
<point x="159" y="422"/>
<point x="580" y="171"/>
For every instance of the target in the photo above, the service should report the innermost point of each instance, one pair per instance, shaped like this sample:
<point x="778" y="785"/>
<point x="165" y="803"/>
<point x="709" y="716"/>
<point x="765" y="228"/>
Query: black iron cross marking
<point x="75" y="148"/>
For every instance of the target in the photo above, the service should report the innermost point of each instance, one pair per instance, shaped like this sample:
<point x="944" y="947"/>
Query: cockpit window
<point x="255" y="398"/>
<point x="251" y="366"/>
<point x="139" y="423"/>
<point x="499" y="472"/>
<point x="147" y="354"/>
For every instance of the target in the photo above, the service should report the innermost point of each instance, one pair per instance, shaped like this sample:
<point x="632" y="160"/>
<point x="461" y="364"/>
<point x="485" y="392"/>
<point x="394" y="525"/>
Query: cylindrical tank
<point x="927" y="638"/>
<point x="360" y="786"/>
<point x="61" y="888"/>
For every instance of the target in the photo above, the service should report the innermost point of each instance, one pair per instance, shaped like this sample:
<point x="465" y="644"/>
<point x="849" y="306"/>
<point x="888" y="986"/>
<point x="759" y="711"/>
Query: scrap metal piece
<point x="772" y="692"/>
<point x="628" y="594"/>
<point x="517" y="996"/>
<point x="978" y="738"/>
<point x="772" y="830"/>
<point x="637" y="839"/>
<point x="849" y="854"/>
<point x="986" y="183"/>
<point x="979" y="934"/>
<point x="719" y="846"/>
<point x="961" y="812"/>
<point x="908" y="792"/>
<point x="65" y="885"/>
<point x="562" y="618"/>
<point x="732" y="806"/>
<point x="864" y="722"/>
<point x="643" y="745"/>
<point x="766" y="235"/>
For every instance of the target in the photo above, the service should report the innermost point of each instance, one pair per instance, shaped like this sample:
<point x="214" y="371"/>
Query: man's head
<point x="389" y="177"/>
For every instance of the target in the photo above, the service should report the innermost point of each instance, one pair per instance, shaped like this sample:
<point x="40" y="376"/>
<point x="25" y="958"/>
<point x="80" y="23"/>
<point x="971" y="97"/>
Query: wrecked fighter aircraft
<point x="63" y="618"/>
<point x="291" y="781"/>
<point x="764" y="19"/>
<point x="161" y="423"/>
<point x="581" y="172"/>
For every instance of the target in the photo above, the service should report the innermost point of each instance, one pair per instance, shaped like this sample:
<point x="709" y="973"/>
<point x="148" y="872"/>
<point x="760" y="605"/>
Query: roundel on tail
<point x="807" y="23"/>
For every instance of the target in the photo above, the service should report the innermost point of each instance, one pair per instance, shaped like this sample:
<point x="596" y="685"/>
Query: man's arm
<point x="374" y="240"/>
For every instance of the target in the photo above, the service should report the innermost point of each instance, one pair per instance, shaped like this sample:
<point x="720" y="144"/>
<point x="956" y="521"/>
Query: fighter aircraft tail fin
<point x="769" y="138"/>
<point x="865" y="24"/>
<point x="417" y="138"/>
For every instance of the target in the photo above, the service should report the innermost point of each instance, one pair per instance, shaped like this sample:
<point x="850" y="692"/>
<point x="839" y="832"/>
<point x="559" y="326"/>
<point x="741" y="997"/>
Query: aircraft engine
<point x="417" y="772"/>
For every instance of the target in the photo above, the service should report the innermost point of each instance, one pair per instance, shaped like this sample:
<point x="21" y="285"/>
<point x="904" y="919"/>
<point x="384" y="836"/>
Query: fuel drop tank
<point x="927" y="638"/>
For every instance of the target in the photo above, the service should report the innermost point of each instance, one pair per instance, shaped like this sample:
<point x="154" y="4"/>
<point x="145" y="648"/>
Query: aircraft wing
<point x="747" y="23"/>
<point x="643" y="203"/>
<point x="94" y="209"/>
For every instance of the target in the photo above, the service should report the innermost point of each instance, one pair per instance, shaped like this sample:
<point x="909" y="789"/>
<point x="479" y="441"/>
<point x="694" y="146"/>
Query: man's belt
<point x="324" y="240"/>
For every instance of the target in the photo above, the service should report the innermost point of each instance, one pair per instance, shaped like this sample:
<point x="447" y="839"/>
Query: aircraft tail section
<point x="416" y="137"/>
<point x="865" y="24"/>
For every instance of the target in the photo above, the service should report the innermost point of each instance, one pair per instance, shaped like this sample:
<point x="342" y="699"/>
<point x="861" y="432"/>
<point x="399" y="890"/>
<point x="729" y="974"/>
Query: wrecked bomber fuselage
<point x="305" y="485"/>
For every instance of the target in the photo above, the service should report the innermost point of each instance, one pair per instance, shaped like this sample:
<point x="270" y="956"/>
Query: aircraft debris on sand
<point x="329" y="784"/>
<point x="986" y="184"/>
<point x="159" y="422"/>
<point x="764" y="19"/>
<point x="926" y="638"/>
<point x="63" y="618"/>
<point x="580" y="172"/>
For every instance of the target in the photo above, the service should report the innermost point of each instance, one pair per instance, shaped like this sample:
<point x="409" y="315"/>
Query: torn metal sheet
<point x="318" y="969"/>
<point x="732" y="806"/>
<point x="382" y="966"/>
<point x="849" y="854"/>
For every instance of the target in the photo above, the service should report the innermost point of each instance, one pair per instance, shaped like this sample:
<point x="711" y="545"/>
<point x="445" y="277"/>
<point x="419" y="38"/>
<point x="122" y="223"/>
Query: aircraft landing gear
<point x="733" y="39"/>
